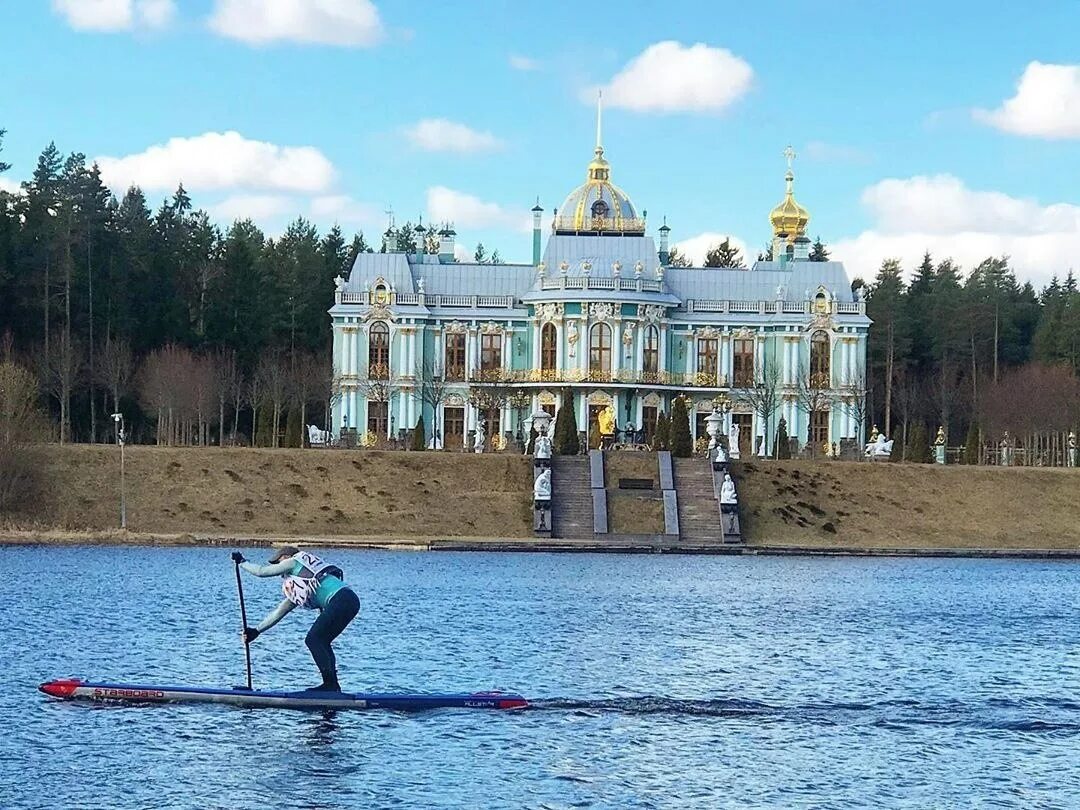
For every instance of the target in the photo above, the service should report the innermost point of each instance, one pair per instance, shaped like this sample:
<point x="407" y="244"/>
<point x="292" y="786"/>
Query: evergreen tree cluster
<point x="945" y="344"/>
<point x="81" y="271"/>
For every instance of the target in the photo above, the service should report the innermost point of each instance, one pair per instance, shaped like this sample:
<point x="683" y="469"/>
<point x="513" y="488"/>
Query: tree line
<point x="976" y="353"/>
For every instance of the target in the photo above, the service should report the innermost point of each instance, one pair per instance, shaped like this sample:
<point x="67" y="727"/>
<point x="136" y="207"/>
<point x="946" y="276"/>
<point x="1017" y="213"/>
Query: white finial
<point x="599" y="112"/>
<point x="789" y="153"/>
<point x="390" y="217"/>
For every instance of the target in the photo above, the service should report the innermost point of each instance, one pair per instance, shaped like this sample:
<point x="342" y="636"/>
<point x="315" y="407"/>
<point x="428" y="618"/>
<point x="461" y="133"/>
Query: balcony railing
<point x="590" y="283"/>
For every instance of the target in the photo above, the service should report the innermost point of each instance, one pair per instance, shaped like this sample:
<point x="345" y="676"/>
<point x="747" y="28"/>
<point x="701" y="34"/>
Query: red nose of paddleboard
<point x="62" y="688"/>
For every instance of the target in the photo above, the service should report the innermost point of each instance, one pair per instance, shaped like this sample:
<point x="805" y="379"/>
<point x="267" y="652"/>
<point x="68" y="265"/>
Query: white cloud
<point x="942" y="215"/>
<point x="350" y="23"/>
<point x="518" y="62"/>
<point x="1046" y="104"/>
<point x="344" y="210"/>
<point x="442" y="135"/>
<point x="464" y="210"/>
<point x="463" y="254"/>
<point x="256" y="207"/>
<point x="115" y="15"/>
<point x="696" y="247"/>
<point x="670" y="77"/>
<point x="220" y="160"/>
<point x="10" y="186"/>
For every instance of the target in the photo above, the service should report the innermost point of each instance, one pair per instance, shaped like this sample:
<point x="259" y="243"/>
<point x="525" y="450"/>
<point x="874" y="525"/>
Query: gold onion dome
<point x="789" y="217"/>
<point x="598" y="205"/>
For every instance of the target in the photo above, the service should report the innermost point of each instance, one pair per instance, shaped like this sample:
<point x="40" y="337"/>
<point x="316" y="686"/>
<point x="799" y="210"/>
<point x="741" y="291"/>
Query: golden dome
<point x="789" y="217"/>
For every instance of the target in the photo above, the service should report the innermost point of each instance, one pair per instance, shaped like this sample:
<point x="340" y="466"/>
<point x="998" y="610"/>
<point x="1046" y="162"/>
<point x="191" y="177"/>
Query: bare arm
<point x="271" y="570"/>
<point x="276" y="615"/>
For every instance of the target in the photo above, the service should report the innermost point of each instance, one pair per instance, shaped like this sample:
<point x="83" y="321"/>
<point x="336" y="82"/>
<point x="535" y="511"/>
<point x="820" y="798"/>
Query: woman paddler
<point x="308" y="582"/>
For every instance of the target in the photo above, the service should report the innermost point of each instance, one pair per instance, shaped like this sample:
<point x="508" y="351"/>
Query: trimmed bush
<point x="783" y="444"/>
<point x="971" y="445"/>
<point x="418" y="436"/>
<point x="293" y="429"/>
<point x="682" y="446"/>
<point x="566" y="435"/>
<point x="662" y="435"/>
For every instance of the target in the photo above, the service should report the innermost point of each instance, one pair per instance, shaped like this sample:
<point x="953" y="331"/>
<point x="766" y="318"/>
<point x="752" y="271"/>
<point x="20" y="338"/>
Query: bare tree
<point x="115" y="369"/>
<point x="22" y="423"/>
<point x="853" y="402"/>
<point x="432" y="388"/>
<point x="488" y="398"/>
<point x="764" y="398"/>
<point x="203" y="396"/>
<point x="813" y="397"/>
<point x="254" y="393"/>
<point x="226" y="386"/>
<point x="60" y="368"/>
<point x="275" y="380"/>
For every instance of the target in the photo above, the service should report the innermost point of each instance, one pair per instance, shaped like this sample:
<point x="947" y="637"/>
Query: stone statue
<point x="572" y="337"/>
<point x="542" y="446"/>
<point x="542" y="486"/>
<point x="878" y="447"/>
<point x="420" y="285"/>
<point x="781" y="292"/>
<point x="727" y="491"/>
<point x="628" y="335"/>
<point x="721" y="456"/>
<point x="478" y="439"/>
<point x="733" y="440"/>
<point x="1070" y="460"/>
<point x="606" y="421"/>
<point x="339" y="283"/>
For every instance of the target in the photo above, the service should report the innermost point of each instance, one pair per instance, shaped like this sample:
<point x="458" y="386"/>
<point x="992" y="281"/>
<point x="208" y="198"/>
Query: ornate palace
<point x="600" y="318"/>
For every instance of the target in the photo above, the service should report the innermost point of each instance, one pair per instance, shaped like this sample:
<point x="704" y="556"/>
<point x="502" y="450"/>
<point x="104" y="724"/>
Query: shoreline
<point x="12" y="538"/>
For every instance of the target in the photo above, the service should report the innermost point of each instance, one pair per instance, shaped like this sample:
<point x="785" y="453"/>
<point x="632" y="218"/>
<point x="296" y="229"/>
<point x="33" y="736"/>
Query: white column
<point x="439" y="360"/>
<point x="536" y="362"/>
<point x="726" y="353"/>
<point x="559" y="334"/>
<point x="616" y="350"/>
<point x="691" y="356"/>
<point x="470" y="353"/>
<point x="507" y="343"/>
<point x="583" y="345"/>
<point x="403" y="414"/>
<point x="663" y="364"/>
<point x="639" y="348"/>
<point x="759" y="357"/>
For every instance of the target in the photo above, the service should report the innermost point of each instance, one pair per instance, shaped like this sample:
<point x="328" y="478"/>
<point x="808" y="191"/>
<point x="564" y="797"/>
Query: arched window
<point x="821" y="303"/>
<point x="599" y="209"/>
<point x="819" y="360"/>
<point x="380" y="295"/>
<point x="548" y="351"/>
<point x="600" y="350"/>
<point x="651" y="351"/>
<point x="379" y="351"/>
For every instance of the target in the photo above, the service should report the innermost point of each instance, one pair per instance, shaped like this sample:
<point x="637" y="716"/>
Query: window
<point x="548" y="352"/>
<point x="379" y="351"/>
<point x="376" y="417"/>
<point x="819" y="430"/>
<point x="819" y="360"/>
<point x="491" y="352"/>
<point x="453" y="428"/>
<point x="707" y="360"/>
<point x="380" y="295"/>
<point x="600" y="350"/>
<point x="651" y="353"/>
<point x="599" y="209"/>
<point x="743" y="362"/>
<point x="455" y="356"/>
<point x="821" y="303"/>
<point x="649" y="415"/>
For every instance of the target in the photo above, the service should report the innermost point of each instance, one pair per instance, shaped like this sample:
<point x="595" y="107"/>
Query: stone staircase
<point x="571" y="498"/>
<point x="699" y="512"/>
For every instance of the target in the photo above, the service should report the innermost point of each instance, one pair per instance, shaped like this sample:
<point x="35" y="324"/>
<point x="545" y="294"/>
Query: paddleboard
<point x="77" y="689"/>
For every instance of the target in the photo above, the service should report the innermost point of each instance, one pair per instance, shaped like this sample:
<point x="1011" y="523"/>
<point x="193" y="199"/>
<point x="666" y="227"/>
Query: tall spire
<point x="599" y="113"/>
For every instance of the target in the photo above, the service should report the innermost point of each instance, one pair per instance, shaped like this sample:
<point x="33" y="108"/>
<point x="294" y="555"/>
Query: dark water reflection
<point x="662" y="682"/>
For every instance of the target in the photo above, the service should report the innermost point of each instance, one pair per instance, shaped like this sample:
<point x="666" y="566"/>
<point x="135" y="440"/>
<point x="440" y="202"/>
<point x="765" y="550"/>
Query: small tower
<point x="446" y="244"/>
<point x="421" y="235"/>
<point x="537" y="212"/>
<point x="665" y="232"/>
<point x="789" y="221"/>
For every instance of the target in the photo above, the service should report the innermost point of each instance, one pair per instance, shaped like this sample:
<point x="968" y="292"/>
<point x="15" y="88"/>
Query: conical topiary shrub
<point x="682" y="446"/>
<point x="783" y="445"/>
<point x="419" y="439"/>
<point x="661" y="436"/>
<point x="566" y="435"/>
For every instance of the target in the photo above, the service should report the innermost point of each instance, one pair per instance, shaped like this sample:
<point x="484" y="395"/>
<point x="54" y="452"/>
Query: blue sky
<point x="951" y="126"/>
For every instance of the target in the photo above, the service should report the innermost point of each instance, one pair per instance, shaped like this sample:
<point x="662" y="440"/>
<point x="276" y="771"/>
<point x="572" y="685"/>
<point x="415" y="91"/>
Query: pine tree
<point x="294" y="430"/>
<point x="818" y="251"/>
<point x="566" y="433"/>
<point x="890" y="341"/>
<point x="682" y="445"/>
<point x="264" y="430"/>
<point x="419" y="437"/>
<point x="662" y="434"/>
<point x="480" y="256"/>
<point x="971" y="444"/>
<point x="783" y="444"/>
<point x="724" y="255"/>
<point x="677" y="259"/>
<point x="918" y="449"/>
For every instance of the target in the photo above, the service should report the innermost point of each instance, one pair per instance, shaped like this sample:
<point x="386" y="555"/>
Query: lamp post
<point x="121" y="438"/>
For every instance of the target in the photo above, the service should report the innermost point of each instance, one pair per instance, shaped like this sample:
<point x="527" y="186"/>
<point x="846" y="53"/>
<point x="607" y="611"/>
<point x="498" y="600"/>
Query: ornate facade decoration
<point x="707" y="332"/>
<point x="378" y="312"/>
<point x="599" y="398"/>
<point x="601" y="311"/>
<point x="651" y="313"/>
<point x="572" y="337"/>
<point x="455" y="400"/>
<point x="743" y="333"/>
<point x="546" y="398"/>
<point x="550" y="312"/>
<point x="821" y="320"/>
<point x="491" y="328"/>
<point x="456" y="328"/>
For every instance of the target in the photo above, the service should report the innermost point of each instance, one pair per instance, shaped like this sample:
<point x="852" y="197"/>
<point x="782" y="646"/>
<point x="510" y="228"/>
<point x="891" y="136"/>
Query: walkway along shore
<point x="118" y="538"/>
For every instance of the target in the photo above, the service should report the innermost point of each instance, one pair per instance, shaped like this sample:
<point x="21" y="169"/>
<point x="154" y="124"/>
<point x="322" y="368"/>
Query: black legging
<point x="335" y="617"/>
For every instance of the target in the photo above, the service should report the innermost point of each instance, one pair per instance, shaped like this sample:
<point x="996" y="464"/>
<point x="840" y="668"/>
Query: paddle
<point x="243" y="624"/>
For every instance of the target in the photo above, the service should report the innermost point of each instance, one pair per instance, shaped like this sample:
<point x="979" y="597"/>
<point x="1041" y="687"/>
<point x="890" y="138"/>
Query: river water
<point x="659" y="681"/>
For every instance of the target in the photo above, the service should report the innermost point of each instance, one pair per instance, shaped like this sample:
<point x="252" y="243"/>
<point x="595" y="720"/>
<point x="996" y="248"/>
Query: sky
<point x="951" y="126"/>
